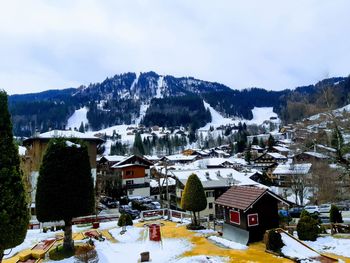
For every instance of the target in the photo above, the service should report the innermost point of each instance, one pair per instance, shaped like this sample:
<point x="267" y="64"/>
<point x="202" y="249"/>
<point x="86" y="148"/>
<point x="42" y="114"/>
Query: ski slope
<point x="78" y="117"/>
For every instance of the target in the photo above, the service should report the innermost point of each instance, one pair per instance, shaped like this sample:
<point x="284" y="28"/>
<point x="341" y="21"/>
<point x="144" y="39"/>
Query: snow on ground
<point x="32" y="238"/>
<point x="143" y="109"/>
<point x="338" y="246"/>
<point x="260" y="114"/>
<point x="294" y="249"/>
<point x="78" y="117"/>
<point x="202" y="259"/>
<point x="159" y="87"/>
<point x="227" y="243"/>
<point x="131" y="235"/>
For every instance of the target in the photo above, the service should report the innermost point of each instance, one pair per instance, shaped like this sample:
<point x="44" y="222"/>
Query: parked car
<point x="312" y="209"/>
<point x="128" y="210"/>
<point x="295" y="211"/>
<point x="324" y="208"/>
<point x="343" y="205"/>
<point x="156" y="205"/>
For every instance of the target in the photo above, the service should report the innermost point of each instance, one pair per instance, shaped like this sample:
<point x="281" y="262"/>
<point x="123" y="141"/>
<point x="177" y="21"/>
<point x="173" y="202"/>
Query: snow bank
<point x="294" y="249"/>
<point x="338" y="246"/>
<point x="227" y="243"/>
<point x="131" y="235"/>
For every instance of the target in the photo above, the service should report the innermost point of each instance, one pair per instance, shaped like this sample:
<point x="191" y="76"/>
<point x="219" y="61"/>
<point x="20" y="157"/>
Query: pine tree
<point x="14" y="213"/>
<point x="255" y="141"/>
<point x="271" y="142"/>
<point x="138" y="145"/>
<point x="65" y="186"/>
<point x="193" y="198"/>
<point x="82" y="128"/>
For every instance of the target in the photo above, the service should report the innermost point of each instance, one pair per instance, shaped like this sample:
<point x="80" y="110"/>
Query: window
<point x="209" y="194"/>
<point x="210" y="205"/>
<point x="129" y="173"/>
<point x="253" y="220"/>
<point x="129" y="182"/>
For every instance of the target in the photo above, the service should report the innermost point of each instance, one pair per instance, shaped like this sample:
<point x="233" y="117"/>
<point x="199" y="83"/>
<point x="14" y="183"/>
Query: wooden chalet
<point x="134" y="173"/>
<point x="248" y="211"/>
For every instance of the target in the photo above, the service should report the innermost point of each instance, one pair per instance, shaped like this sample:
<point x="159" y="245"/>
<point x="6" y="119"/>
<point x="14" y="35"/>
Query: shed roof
<point x="243" y="197"/>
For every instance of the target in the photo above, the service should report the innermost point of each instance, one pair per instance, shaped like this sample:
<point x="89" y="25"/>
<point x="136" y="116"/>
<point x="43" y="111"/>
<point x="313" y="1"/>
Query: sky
<point x="56" y="44"/>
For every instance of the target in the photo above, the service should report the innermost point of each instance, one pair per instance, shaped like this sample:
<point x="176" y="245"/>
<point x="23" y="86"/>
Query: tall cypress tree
<point x="14" y="213"/>
<point x="65" y="186"/>
<point x="138" y="145"/>
<point x="193" y="198"/>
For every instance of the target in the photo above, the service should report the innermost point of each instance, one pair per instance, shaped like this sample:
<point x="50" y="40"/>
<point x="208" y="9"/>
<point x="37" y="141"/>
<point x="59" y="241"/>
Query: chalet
<point x="284" y="174"/>
<point x="268" y="161"/>
<point x="219" y="153"/>
<point x="311" y="157"/>
<point x="214" y="181"/>
<point x="37" y="145"/>
<point x="207" y="163"/>
<point x="134" y="173"/>
<point x="257" y="149"/>
<point x="247" y="211"/>
<point x="105" y="163"/>
<point x="281" y="150"/>
<point x="179" y="158"/>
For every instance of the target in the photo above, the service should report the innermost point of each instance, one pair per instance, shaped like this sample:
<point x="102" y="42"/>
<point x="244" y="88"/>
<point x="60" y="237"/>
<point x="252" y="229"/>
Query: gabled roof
<point x="113" y="158"/>
<point x="243" y="197"/>
<point x="299" y="168"/>
<point x="133" y="159"/>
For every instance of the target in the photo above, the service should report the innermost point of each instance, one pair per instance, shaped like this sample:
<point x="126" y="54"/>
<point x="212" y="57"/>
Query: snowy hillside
<point x="259" y="116"/>
<point x="78" y="117"/>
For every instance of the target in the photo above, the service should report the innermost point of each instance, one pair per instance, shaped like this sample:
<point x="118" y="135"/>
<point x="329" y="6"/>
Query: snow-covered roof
<point x="66" y="134"/>
<point x="116" y="166"/>
<point x="281" y="149"/>
<point x="154" y="183"/>
<point x="152" y="157"/>
<point x="238" y="160"/>
<point x="317" y="155"/>
<point x="180" y="157"/>
<point x="204" y="163"/>
<point x="300" y="168"/>
<point x="277" y="155"/>
<point x="215" y="177"/>
<point x="256" y="147"/>
<point x="326" y="148"/>
<point x="114" y="158"/>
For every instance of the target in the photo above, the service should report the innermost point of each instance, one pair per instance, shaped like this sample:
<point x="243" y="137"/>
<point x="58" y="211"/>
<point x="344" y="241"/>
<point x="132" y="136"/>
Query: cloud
<point x="269" y="44"/>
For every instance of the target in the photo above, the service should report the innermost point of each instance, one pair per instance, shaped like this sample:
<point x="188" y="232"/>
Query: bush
<point x="274" y="241"/>
<point x="307" y="227"/>
<point x="125" y="220"/>
<point x="335" y="215"/>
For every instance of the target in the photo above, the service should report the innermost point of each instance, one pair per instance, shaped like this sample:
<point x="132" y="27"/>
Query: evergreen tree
<point x="138" y="145"/>
<point x="248" y="156"/>
<point x="14" y="214"/>
<point x="255" y="141"/>
<point x="82" y="128"/>
<point x="65" y="186"/>
<point x="193" y="198"/>
<point x="270" y="142"/>
<point x="261" y="143"/>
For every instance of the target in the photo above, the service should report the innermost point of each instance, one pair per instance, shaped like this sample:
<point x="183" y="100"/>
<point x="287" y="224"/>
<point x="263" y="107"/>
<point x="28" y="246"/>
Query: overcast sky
<point x="57" y="44"/>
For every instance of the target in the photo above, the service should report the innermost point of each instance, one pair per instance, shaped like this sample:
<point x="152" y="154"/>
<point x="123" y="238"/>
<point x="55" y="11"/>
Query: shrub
<point x="125" y="220"/>
<point x="307" y="228"/>
<point x="335" y="215"/>
<point x="274" y="241"/>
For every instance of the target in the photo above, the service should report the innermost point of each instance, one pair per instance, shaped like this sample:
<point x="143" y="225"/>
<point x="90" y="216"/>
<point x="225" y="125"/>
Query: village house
<point x="134" y="173"/>
<point x="37" y="145"/>
<point x="247" y="211"/>
<point x="268" y="161"/>
<point x="179" y="158"/>
<point x="214" y="181"/>
<point x="285" y="174"/>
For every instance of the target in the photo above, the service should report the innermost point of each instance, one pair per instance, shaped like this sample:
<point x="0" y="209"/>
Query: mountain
<point x="152" y="99"/>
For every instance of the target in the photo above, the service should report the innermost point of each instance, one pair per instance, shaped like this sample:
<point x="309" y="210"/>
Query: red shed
<point x="248" y="211"/>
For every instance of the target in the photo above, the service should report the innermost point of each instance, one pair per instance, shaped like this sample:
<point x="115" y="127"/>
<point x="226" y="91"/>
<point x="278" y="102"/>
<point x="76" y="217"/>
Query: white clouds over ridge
<point x="270" y="44"/>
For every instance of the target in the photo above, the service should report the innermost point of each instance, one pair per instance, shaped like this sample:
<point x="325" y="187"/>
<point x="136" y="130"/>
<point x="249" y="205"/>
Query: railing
<point x="161" y="213"/>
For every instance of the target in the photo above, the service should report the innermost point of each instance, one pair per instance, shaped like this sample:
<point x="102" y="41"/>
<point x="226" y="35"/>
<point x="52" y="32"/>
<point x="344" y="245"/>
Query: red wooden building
<point x="248" y="211"/>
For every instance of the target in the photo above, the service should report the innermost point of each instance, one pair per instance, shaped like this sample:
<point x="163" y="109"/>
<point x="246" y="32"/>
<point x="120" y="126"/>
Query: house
<point x="281" y="150"/>
<point x="311" y="157"/>
<point x="179" y="158"/>
<point x="213" y="163"/>
<point x="247" y="211"/>
<point x="105" y="163"/>
<point x="134" y="174"/>
<point x="268" y="161"/>
<point x="284" y="174"/>
<point x="37" y="145"/>
<point x="214" y="181"/>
